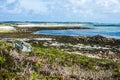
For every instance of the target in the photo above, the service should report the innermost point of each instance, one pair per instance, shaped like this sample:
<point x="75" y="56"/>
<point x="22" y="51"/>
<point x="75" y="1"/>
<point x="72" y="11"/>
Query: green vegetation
<point x="1" y="60"/>
<point x="65" y="59"/>
<point x="5" y="46"/>
<point x="47" y="63"/>
<point x="4" y="31"/>
<point x="4" y="24"/>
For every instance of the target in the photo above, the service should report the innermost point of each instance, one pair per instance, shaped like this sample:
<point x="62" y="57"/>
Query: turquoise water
<point x="112" y="31"/>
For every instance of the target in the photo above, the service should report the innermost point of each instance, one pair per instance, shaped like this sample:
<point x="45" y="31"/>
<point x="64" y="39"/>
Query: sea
<point x="109" y="30"/>
<point x="103" y="29"/>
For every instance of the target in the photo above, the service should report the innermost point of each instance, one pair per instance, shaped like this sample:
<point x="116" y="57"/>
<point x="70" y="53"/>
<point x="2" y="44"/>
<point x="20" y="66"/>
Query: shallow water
<point x="106" y="31"/>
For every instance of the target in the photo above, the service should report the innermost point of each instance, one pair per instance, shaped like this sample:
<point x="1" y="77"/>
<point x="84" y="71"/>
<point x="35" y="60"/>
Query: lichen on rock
<point x="22" y="46"/>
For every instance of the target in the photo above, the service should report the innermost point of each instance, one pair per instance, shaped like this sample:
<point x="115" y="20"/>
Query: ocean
<point x="106" y="30"/>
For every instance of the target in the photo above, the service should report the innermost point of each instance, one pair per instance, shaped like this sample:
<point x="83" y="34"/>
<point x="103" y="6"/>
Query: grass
<point x="58" y="58"/>
<point x="4" y="24"/>
<point x="65" y="59"/>
<point x="4" y="31"/>
<point x="53" y="64"/>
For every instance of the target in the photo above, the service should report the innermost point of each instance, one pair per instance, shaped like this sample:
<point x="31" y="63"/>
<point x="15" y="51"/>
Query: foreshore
<point x="92" y="43"/>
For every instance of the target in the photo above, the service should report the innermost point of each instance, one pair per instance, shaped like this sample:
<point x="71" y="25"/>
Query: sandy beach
<point x="35" y="27"/>
<point x="9" y="28"/>
<point x="49" y="25"/>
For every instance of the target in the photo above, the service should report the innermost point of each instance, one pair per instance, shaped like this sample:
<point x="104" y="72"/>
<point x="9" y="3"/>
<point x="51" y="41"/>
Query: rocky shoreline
<point x="60" y="57"/>
<point x="98" y="39"/>
<point x="96" y="46"/>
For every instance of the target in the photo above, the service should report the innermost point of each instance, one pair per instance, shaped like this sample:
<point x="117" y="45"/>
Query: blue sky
<point x="105" y="11"/>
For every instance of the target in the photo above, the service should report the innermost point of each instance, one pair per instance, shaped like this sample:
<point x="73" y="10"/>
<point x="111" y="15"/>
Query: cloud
<point x="9" y="6"/>
<point x="26" y="6"/>
<point x="93" y="8"/>
<point x="109" y="6"/>
<point x="36" y="6"/>
<point x="10" y="1"/>
<point x="80" y="8"/>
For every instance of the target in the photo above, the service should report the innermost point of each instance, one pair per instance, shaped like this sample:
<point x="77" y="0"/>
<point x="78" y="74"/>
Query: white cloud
<point x="10" y="1"/>
<point x="15" y="10"/>
<point x="109" y="6"/>
<point x="103" y="6"/>
<point x="36" y="6"/>
<point x="93" y="8"/>
<point x="82" y="8"/>
<point x="25" y="6"/>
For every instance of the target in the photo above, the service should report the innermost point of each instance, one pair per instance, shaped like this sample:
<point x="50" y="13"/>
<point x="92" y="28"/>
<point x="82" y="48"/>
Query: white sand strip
<point x="8" y="28"/>
<point x="50" y="25"/>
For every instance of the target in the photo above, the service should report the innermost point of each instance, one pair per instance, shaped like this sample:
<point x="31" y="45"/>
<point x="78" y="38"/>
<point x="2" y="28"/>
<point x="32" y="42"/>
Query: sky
<point x="102" y="11"/>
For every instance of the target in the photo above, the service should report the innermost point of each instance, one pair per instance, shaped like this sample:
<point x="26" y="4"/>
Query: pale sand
<point x="13" y="27"/>
<point x="7" y="28"/>
<point x="49" y="25"/>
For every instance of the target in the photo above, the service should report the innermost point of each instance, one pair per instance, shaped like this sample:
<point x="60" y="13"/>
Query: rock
<point x="22" y="46"/>
<point x="99" y="37"/>
<point x="111" y="53"/>
<point x="56" y="44"/>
